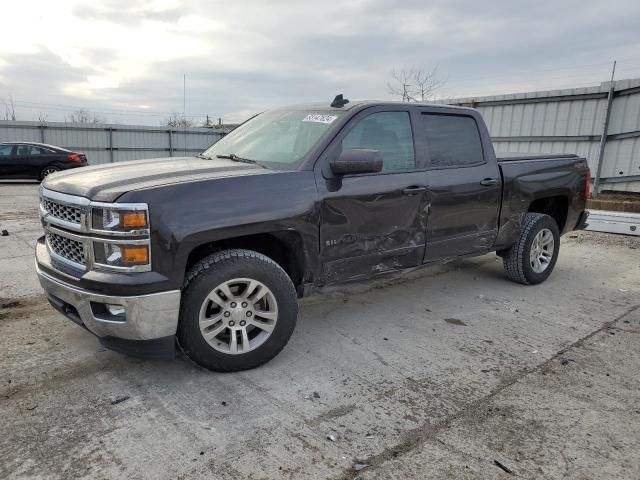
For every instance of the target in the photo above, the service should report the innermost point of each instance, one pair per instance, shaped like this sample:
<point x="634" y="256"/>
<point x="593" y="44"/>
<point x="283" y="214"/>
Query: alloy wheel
<point x="542" y="249"/>
<point x="238" y="316"/>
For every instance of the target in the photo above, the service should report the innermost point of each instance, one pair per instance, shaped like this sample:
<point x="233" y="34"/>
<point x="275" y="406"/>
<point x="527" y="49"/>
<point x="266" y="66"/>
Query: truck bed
<point x="525" y="178"/>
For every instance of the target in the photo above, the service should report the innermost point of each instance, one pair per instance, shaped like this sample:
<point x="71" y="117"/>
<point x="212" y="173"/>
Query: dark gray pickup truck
<point x="211" y="252"/>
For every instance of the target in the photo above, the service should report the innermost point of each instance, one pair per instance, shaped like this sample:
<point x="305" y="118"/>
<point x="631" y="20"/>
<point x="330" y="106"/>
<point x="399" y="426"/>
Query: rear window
<point x="452" y="140"/>
<point x="39" y="151"/>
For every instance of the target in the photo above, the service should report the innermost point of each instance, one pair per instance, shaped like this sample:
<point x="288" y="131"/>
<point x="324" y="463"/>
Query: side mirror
<point x="356" y="161"/>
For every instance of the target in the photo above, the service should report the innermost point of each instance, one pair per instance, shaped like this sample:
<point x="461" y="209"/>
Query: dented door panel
<point x="370" y="226"/>
<point x="464" y="183"/>
<point x="463" y="214"/>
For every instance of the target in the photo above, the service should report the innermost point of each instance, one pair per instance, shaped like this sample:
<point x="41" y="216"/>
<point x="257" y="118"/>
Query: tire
<point x="48" y="170"/>
<point x="518" y="261"/>
<point x="204" y="302"/>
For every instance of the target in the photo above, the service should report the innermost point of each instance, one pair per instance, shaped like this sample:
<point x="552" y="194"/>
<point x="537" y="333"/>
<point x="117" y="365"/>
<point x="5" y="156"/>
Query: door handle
<point x="414" y="189"/>
<point x="488" y="182"/>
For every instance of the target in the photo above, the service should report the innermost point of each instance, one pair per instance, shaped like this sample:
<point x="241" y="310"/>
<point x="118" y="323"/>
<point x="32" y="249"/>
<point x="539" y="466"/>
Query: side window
<point x="452" y="140"/>
<point x="389" y="132"/>
<point x="38" y="151"/>
<point x="5" y="150"/>
<point x="23" y="150"/>
<point x="29" y="150"/>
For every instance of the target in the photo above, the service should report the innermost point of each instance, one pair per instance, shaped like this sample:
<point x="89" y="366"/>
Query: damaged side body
<point x="453" y="202"/>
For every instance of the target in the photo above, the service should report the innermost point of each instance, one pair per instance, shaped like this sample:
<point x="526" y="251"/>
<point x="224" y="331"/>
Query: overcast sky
<point x="126" y="58"/>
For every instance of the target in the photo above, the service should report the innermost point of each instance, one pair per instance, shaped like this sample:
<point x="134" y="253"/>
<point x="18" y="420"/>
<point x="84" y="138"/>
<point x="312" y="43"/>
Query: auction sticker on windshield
<point x="314" y="117"/>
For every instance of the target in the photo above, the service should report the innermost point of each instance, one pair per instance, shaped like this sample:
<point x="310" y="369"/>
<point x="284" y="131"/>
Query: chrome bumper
<point x="147" y="317"/>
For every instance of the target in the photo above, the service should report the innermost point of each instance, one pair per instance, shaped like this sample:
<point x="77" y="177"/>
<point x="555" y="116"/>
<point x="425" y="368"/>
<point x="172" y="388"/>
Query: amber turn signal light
<point x="135" y="255"/>
<point x="133" y="220"/>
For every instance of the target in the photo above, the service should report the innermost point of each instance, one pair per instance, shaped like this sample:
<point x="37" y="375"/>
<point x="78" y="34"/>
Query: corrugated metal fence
<point x="556" y="121"/>
<point x="113" y="143"/>
<point x="572" y="121"/>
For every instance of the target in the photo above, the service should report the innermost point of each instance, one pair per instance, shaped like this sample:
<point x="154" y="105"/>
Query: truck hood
<point x="105" y="183"/>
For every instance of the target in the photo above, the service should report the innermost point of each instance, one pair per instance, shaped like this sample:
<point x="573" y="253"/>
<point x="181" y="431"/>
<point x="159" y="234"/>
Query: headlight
<point x="122" y="242"/>
<point x="126" y="219"/>
<point x="129" y="256"/>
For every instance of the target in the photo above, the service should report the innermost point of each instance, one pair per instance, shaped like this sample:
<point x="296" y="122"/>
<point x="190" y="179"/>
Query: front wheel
<point x="531" y="259"/>
<point x="239" y="309"/>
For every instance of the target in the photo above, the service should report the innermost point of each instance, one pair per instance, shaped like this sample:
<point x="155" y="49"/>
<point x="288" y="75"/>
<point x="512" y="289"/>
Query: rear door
<point x="29" y="161"/>
<point x="373" y="223"/>
<point x="7" y="161"/>
<point x="464" y="185"/>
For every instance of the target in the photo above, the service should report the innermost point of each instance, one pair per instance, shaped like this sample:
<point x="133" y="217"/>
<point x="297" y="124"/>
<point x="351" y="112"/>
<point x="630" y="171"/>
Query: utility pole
<point x="184" y="109"/>
<point x="605" y="130"/>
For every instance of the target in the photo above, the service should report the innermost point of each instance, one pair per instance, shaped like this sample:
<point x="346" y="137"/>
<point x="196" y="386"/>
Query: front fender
<point x="186" y="216"/>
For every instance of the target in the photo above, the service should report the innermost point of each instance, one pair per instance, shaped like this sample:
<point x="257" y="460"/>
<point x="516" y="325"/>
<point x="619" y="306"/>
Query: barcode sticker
<point x="314" y="117"/>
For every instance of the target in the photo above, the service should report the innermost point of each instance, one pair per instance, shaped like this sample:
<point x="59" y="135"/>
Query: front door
<point x="7" y="161"/>
<point x="373" y="223"/>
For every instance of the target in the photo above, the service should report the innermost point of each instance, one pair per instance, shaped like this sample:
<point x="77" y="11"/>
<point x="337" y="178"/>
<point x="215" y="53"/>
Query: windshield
<point x="278" y="139"/>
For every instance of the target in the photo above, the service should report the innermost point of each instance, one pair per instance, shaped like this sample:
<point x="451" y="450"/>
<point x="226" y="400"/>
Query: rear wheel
<point x="239" y="310"/>
<point x="532" y="258"/>
<point x="46" y="171"/>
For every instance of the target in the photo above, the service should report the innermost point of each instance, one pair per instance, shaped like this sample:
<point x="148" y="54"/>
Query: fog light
<point x="116" y="310"/>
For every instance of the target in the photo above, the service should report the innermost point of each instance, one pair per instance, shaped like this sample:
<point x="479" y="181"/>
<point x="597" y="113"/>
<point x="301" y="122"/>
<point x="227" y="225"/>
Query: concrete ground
<point x="19" y="217"/>
<point x="450" y="372"/>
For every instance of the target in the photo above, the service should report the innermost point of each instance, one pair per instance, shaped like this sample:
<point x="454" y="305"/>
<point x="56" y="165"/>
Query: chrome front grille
<point x="66" y="248"/>
<point x="61" y="211"/>
<point x="72" y="241"/>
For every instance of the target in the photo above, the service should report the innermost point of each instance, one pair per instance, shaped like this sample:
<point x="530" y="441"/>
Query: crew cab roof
<point x="353" y="104"/>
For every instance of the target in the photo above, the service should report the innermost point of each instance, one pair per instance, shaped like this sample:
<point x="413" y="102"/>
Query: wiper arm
<point x="236" y="158"/>
<point x="202" y="155"/>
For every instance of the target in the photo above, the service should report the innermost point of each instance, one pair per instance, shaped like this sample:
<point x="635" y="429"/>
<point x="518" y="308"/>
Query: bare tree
<point x="178" y="121"/>
<point x="42" y="117"/>
<point x="9" y="109"/>
<point x="426" y="83"/>
<point x="415" y="84"/>
<point x="83" y="115"/>
<point x="401" y="84"/>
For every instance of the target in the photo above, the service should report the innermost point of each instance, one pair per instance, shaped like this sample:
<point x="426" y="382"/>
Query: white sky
<point x="125" y="59"/>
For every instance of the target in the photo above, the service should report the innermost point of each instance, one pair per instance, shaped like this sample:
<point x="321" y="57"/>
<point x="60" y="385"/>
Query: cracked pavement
<point x="442" y="373"/>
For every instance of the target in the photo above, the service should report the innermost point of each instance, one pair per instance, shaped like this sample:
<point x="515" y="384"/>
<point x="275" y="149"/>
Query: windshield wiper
<point x="236" y="158"/>
<point x="202" y="155"/>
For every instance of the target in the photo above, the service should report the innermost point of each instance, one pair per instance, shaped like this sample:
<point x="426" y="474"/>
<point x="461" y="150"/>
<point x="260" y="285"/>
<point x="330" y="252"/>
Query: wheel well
<point x="285" y="248"/>
<point x="556" y="207"/>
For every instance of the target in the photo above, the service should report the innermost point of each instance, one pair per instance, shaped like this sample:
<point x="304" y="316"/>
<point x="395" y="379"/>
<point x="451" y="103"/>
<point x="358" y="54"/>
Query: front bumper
<point x="149" y="323"/>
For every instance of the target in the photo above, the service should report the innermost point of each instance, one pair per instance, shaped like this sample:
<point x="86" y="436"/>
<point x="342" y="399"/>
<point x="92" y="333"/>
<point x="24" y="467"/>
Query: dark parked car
<point x="214" y="249"/>
<point x="36" y="160"/>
